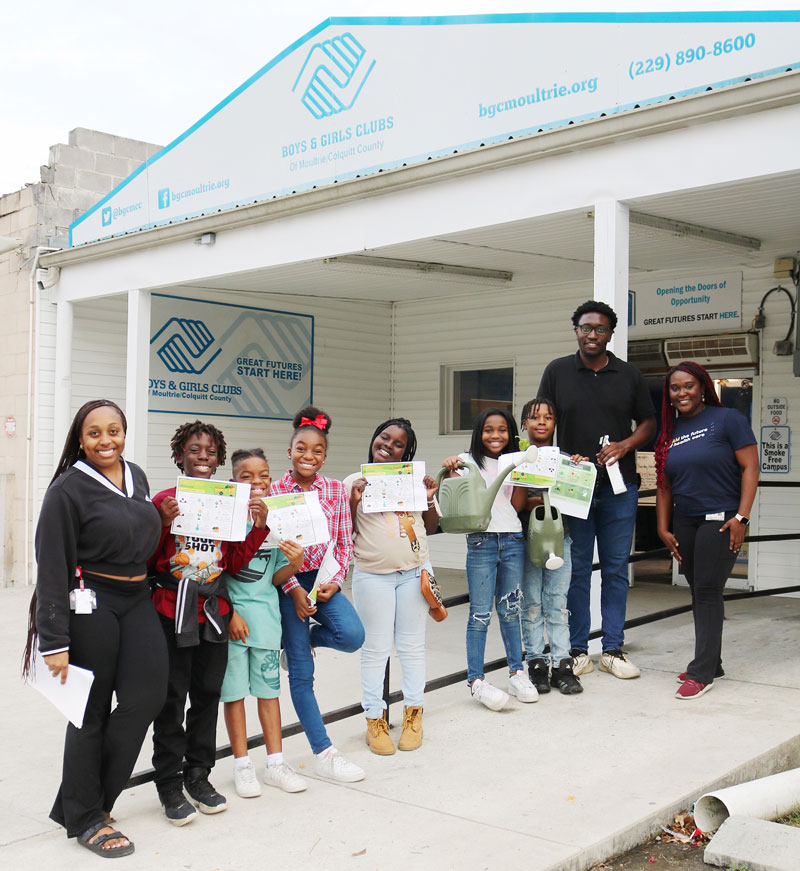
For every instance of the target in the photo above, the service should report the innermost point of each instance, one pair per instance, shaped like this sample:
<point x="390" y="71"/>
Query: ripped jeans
<point x="495" y="562"/>
<point x="545" y="608"/>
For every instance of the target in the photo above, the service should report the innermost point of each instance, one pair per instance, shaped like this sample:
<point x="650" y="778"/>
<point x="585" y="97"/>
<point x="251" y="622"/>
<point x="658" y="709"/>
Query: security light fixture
<point x="438" y="271"/>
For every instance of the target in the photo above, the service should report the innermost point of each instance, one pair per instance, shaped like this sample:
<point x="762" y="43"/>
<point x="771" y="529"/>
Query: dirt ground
<point x="658" y="856"/>
<point x="667" y="851"/>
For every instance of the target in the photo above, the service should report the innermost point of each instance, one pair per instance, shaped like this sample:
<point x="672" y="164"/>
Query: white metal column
<point x="62" y="401"/>
<point x="137" y="375"/>
<point x="611" y="252"/>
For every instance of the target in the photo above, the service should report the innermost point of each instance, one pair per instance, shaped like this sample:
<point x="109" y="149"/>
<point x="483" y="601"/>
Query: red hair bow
<point x="320" y="422"/>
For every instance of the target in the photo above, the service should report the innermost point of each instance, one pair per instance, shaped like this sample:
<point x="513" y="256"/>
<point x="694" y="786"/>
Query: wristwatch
<point x="742" y="519"/>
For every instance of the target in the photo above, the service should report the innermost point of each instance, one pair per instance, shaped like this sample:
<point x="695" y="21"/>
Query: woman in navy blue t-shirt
<point x="707" y="468"/>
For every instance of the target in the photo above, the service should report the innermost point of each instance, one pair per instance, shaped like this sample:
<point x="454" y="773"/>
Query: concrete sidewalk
<point x="560" y="784"/>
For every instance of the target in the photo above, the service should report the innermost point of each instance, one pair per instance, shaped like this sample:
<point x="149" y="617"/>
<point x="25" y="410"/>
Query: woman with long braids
<point x="391" y="550"/>
<point x="707" y="471"/>
<point x="93" y="609"/>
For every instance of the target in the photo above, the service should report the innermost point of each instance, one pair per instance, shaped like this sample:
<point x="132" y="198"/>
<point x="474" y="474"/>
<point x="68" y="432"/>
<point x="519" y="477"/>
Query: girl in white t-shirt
<point x="391" y="550"/>
<point x="495" y="563"/>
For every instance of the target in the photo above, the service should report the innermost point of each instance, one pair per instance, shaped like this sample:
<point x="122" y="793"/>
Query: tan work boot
<point x="411" y="737"/>
<point x="378" y="739"/>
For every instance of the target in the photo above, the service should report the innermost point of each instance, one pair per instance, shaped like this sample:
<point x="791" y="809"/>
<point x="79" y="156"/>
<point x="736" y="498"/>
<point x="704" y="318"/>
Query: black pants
<point x="707" y="562"/>
<point x="122" y="643"/>
<point x="197" y="672"/>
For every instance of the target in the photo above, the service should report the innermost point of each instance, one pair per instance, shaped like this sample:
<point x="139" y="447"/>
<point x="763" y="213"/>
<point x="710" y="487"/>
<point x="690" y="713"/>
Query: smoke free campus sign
<point x="209" y="358"/>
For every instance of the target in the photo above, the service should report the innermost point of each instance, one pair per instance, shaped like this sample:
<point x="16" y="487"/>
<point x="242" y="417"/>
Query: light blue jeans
<point x="494" y="573"/>
<point x="544" y="606"/>
<point x="392" y="608"/>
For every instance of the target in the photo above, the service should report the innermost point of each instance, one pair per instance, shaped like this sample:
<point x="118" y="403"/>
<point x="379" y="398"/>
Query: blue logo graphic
<point x="187" y="347"/>
<point x="163" y="198"/>
<point x="106" y="216"/>
<point x="333" y="74"/>
<point x="631" y="308"/>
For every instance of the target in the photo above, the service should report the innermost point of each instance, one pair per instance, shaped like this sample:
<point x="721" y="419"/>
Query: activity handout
<point x="295" y="517"/>
<point x="571" y="485"/>
<point x="542" y="473"/>
<point x="394" y="487"/>
<point x="572" y="493"/>
<point x="70" y="698"/>
<point x="216" y="510"/>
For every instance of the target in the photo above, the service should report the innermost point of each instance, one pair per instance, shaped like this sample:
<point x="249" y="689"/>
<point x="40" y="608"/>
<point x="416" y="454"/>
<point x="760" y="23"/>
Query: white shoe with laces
<point x="615" y="662"/>
<point x="246" y="781"/>
<point x="488" y="694"/>
<point x="336" y="767"/>
<point x="284" y="777"/>
<point x="519" y="685"/>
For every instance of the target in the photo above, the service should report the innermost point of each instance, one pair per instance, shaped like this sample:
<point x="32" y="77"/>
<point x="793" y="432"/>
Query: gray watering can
<point x="465" y="502"/>
<point x="546" y="535"/>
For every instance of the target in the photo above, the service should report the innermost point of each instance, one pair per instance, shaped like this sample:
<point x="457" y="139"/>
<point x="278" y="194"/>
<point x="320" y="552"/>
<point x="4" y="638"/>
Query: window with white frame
<point x="468" y="389"/>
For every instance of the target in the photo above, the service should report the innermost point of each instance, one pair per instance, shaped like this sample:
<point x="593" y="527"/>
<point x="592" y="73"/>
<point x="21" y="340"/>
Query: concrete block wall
<point x="76" y="176"/>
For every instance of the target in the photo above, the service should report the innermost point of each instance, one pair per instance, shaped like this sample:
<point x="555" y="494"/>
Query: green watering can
<point x="465" y="502"/>
<point x="546" y="535"/>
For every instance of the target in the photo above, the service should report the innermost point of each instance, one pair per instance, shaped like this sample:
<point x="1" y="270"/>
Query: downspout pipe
<point x="767" y="798"/>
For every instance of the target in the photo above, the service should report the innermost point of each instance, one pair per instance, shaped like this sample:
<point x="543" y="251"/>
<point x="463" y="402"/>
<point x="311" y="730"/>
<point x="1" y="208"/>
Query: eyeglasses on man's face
<point x="598" y="328"/>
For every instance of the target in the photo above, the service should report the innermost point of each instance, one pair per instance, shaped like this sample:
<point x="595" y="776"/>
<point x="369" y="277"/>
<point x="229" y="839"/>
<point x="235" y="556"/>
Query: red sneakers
<point x="692" y="689"/>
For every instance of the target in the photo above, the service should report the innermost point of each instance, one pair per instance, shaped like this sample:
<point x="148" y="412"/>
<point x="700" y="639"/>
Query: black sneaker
<point x="539" y="675"/>
<point x="563" y="678"/>
<point x="202" y="793"/>
<point x="178" y="810"/>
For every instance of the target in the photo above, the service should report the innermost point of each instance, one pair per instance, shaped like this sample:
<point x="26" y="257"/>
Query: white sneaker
<point x="246" y="781"/>
<point x="615" y="662"/>
<point x="284" y="777"/>
<point x="334" y="766"/>
<point x="489" y="695"/>
<point x="581" y="664"/>
<point x="520" y="686"/>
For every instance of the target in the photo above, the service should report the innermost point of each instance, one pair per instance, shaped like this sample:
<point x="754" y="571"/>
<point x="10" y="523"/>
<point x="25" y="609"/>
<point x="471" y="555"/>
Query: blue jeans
<point x="544" y="604"/>
<point x="392" y="608"/>
<point x="337" y="627"/>
<point x="611" y="520"/>
<point x="494" y="573"/>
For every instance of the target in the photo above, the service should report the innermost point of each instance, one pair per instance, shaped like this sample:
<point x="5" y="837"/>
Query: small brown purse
<point x="433" y="596"/>
<point x="427" y="582"/>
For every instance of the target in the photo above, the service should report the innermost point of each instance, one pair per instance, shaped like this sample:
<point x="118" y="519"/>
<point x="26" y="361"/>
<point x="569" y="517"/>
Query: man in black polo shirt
<point x="597" y="396"/>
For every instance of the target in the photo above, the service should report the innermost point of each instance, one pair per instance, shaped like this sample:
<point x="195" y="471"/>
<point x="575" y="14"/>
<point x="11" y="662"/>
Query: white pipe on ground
<point x="765" y="799"/>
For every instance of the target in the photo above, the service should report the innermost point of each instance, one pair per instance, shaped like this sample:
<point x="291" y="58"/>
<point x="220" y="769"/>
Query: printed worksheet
<point x="540" y="474"/>
<point x="296" y="517"/>
<point x="394" y="487"/>
<point x="211" y="509"/>
<point x="572" y="493"/>
<point x="70" y="698"/>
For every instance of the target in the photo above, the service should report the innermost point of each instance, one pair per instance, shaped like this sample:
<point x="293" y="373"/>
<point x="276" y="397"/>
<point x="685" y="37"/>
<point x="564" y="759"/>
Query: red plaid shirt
<point x="336" y="507"/>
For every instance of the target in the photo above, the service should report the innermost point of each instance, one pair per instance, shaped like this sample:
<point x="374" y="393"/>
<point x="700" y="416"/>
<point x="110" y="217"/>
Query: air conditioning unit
<point x="647" y="355"/>
<point x="725" y="350"/>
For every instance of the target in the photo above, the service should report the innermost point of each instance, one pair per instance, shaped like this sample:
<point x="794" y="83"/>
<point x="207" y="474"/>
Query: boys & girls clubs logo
<point x="332" y="76"/>
<point x="186" y="346"/>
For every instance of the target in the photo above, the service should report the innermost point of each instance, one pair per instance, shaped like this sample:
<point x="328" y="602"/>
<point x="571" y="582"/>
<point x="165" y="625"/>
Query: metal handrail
<point x="455" y="677"/>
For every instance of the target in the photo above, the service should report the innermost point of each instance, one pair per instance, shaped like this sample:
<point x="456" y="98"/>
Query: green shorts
<point x="252" y="671"/>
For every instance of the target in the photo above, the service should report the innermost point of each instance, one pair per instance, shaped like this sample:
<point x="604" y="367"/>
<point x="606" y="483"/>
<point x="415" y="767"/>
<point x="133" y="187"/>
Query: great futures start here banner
<point x="209" y="358"/>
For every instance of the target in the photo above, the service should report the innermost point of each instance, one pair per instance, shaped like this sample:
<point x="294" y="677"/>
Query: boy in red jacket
<point x="193" y="607"/>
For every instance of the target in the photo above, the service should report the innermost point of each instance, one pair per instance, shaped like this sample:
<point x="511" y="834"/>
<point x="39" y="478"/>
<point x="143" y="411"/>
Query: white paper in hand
<point x="328" y="568"/>
<point x="70" y="698"/>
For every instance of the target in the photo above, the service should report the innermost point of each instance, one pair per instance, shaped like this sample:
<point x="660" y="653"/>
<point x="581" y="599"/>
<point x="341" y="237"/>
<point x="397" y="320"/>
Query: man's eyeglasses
<point x="587" y="328"/>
